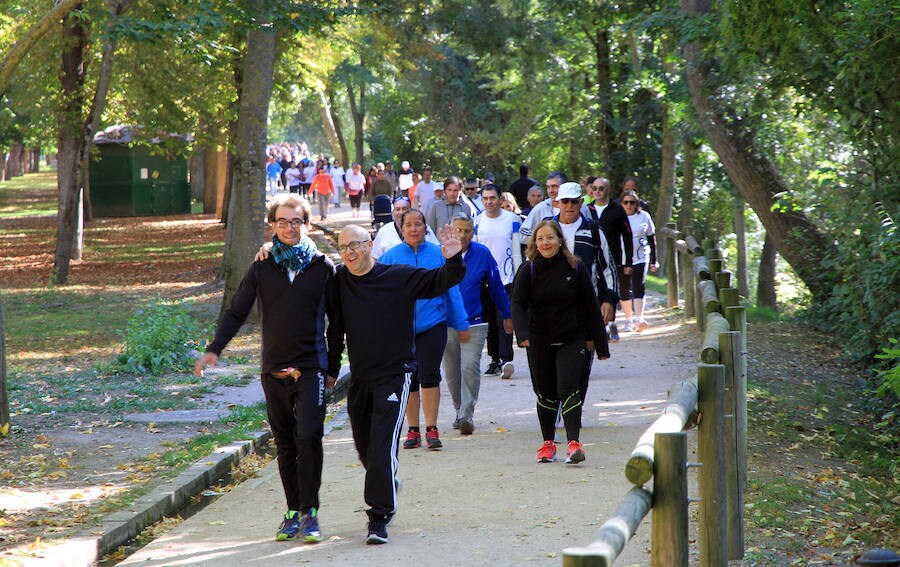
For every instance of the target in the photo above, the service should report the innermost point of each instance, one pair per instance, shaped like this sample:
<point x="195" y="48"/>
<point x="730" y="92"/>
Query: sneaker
<point x="413" y="440"/>
<point x="493" y="369"/>
<point x="433" y="440"/>
<point x="507" y="370"/>
<point x="456" y="423"/>
<point x="627" y="327"/>
<point x="642" y="325"/>
<point x="290" y="527"/>
<point x="574" y="453"/>
<point x="310" y="527"/>
<point x="613" y="333"/>
<point x="547" y="452"/>
<point x="466" y="427"/>
<point x="377" y="532"/>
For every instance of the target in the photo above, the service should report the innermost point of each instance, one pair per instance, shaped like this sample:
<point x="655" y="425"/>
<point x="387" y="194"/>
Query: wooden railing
<point x="717" y="402"/>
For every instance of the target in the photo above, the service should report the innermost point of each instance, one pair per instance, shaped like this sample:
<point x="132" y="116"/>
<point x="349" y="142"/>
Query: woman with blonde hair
<point x="557" y="320"/>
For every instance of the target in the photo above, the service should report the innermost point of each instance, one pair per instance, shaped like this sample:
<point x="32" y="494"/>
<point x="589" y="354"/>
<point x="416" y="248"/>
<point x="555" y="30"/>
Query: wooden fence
<point x="717" y="402"/>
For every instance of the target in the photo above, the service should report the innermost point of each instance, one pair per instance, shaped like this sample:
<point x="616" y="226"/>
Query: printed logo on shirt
<point x="393" y="398"/>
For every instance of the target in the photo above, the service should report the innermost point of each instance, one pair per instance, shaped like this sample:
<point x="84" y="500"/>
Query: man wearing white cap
<point x="586" y="240"/>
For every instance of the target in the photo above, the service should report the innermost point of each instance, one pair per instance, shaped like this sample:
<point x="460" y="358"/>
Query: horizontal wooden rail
<point x="682" y="403"/>
<point x="613" y="534"/>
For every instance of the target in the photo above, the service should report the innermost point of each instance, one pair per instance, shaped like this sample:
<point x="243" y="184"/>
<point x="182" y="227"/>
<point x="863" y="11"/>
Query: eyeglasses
<point x="352" y="246"/>
<point x="283" y="223"/>
<point x="600" y="187"/>
<point x="629" y="202"/>
<point x="570" y="201"/>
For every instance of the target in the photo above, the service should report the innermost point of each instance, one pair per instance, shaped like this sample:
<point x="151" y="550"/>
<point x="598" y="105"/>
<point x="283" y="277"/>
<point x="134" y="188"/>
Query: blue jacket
<point x="480" y="266"/>
<point x="430" y="312"/>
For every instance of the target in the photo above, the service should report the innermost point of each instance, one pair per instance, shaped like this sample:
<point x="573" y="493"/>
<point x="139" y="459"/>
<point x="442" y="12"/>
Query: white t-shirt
<point x="641" y="228"/>
<point x="569" y="231"/>
<point x="337" y="177"/>
<point x="405" y="180"/>
<point x="356" y="182"/>
<point x="497" y="235"/>
<point x="424" y="196"/>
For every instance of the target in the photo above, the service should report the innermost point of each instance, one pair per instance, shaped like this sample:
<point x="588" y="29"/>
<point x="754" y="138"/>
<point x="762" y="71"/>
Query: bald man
<point x="375" y="308"/>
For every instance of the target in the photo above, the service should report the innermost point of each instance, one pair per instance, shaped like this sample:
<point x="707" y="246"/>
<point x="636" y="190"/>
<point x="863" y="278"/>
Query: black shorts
<point x="430" y="345"/>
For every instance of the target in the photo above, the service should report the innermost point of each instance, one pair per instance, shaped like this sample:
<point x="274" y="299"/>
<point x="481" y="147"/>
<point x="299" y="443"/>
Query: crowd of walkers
<point x="453" y="265"/>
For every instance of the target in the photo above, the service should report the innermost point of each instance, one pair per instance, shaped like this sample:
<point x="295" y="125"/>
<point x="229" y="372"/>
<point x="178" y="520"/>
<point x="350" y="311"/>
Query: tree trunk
<point x="196" y="167"/>
<point x="70" y="124"/>
<point x="666" y="182"/>
<point x="798" y="240"/>
<point x="27" y="40"/>
<point x="14" y="160"/>
<point x="765" y="284"/>
<point x="4" y="393"/>
<point x="36" y="159"/>
<point x="740" y="231"/>
<point x="247" y="208"/>
<point x="342" y="143"/>
<point x="686" y="213"/>
<point x="605" y="132"/>
<point x="3" y="165"/>
<point x="358" y="111"/>
<point x="327" y="117"/>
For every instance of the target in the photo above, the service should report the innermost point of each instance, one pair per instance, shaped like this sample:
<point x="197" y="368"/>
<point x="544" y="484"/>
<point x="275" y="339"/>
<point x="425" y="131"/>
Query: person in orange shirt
<point x="411" y="192"/>
<point x="322" y="187"/>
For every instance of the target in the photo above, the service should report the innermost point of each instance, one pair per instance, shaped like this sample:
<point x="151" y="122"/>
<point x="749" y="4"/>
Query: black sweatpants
<point x="296" y="412"/>
<point x="499" y="342"/>
<point x="376" y="408"/>
<point x="557" y="371"/>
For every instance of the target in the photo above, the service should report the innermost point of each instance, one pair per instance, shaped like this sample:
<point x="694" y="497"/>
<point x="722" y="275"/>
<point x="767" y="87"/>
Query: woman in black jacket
<point x="557" y="319"/>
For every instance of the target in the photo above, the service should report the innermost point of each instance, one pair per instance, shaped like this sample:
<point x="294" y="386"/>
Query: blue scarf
<point x="296" y="257"/>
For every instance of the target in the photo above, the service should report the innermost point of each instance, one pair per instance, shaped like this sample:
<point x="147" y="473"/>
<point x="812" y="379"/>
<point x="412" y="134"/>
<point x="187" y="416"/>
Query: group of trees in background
<point x="788" y="108"/>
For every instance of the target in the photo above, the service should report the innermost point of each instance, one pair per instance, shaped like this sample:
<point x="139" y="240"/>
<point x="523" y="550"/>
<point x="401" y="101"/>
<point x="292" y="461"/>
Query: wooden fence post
<point x="688" y="282"/>
<point x="728" y="297"/>
<point x="710" y="451"/>
<point x="735" y="430"/>
<point x="737" y="320"/>
<point x="723" y="279"/>
<point x="669" y="539"/>
<point x="672" y="268"/>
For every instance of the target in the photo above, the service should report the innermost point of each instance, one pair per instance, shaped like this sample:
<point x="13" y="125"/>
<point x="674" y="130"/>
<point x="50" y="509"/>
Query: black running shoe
<point x="377" y="532"/>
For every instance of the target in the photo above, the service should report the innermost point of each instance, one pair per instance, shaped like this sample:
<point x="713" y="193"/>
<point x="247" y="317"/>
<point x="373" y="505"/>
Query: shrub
<point x="160" y="338"/>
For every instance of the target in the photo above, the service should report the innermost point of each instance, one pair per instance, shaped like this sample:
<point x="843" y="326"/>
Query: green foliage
<point x="159" y="339"/>
<point x="890" y="375"/>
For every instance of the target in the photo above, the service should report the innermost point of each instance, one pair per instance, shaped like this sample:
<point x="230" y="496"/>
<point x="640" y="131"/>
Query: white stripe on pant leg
<point x="395" y="462"/>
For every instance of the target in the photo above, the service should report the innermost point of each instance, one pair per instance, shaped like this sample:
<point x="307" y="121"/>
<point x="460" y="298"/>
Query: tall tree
<point x="246" y="210"/>
<point x="798" y="239"/>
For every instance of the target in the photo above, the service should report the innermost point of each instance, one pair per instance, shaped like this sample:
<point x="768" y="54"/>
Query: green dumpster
<point x="128" y="179"/>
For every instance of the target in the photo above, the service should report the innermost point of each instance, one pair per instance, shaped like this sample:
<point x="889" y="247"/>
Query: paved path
<point x="482" y="500"/>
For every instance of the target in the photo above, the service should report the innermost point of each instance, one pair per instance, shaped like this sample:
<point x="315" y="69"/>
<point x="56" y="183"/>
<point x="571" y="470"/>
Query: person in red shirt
<point x="322" y="187"/>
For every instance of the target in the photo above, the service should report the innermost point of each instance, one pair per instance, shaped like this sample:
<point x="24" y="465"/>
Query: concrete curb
<point x="118" y="528"/>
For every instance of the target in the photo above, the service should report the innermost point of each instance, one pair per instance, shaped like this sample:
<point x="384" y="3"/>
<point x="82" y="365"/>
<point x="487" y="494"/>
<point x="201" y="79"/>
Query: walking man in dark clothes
<point x="289" y="287"/>
<point x="375" y="306"/>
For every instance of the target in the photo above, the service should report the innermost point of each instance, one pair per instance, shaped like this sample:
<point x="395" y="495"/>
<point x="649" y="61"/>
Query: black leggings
<point x="557" y="372"/>
<point x="632" y="287"/>
<point x="430" y="345"/>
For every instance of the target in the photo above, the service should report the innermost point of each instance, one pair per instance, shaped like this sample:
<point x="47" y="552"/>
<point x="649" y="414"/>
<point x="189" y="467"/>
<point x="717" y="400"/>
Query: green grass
<point x="26" y="196"/>
<point x="241" y="422"/>
<point x="656" y="283"/>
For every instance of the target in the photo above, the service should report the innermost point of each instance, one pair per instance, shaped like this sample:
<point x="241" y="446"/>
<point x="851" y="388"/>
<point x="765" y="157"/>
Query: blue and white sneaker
<point x="290" y="527"/>
<point x="309" y="527"/>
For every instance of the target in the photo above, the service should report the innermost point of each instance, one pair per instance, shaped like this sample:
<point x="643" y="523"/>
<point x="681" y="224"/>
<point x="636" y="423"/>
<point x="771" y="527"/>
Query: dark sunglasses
<point x="629" y="202"/>
<point x="569" y="201"/>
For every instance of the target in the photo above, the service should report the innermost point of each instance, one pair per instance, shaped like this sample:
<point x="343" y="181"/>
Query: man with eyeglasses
<point x="289" y="287"/>
<point x="390" y="234"/>
<point x="376" y="306"/>
<point x="545" y="209"/>
<point x="613" y="220"/>
<point x="586" y="240"/>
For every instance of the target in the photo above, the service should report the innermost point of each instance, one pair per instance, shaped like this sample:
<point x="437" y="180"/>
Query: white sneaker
<point x="507" y="370"/>
<point x="627" y="327"/>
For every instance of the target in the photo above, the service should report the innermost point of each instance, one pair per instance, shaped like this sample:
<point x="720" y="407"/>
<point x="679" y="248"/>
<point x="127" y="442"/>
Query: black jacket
<point x="292" y="314"/>
<point x="555" y="303"/>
